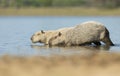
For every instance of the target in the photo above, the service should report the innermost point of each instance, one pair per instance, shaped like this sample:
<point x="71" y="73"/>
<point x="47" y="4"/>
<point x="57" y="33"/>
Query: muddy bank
<point x="96" y="64"/>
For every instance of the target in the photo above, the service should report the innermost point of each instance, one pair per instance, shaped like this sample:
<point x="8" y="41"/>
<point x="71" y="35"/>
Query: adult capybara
<point x="84" y="33"/>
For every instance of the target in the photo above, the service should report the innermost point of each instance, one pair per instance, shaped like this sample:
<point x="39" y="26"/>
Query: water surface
<point x="15" y="33"/>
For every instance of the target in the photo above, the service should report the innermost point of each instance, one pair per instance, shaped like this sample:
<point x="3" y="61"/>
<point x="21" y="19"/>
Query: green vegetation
<point x="59" y="3"/>
<point x="60" y="7"/>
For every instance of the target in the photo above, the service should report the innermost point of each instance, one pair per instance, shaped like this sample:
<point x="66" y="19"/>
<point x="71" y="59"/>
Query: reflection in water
<point x="82" y="50"/>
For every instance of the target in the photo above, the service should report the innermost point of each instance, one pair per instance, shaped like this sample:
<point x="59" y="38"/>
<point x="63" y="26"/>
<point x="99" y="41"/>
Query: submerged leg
<point x="97" y="43"/>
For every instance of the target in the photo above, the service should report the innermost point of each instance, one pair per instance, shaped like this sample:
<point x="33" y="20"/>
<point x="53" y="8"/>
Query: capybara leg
<point x="87" y="43"/>
<point x="68" y="44"/>
<point x="97" y="43"/>
<point x="108" y="41"/>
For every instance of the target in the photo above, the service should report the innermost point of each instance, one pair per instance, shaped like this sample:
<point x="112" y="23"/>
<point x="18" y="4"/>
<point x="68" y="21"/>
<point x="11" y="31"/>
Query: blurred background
<point x="59" y="3"/>
<point x="59" y="7"/>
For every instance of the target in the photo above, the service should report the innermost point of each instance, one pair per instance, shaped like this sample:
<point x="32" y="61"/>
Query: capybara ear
<point x="59" y="34"/>
<point x="42" y="31"/>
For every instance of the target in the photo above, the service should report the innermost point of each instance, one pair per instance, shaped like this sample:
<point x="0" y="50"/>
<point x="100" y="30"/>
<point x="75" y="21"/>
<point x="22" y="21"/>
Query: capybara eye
<point x="38" y="34"/>
<point x="55" y="37"/>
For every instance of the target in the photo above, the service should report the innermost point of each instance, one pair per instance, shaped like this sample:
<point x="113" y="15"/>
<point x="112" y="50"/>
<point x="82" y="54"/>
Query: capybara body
<point x="84" y="33"/>
<point x="45" y="36"/>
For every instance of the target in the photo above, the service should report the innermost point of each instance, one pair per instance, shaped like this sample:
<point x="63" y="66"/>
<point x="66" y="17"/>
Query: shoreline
<point x="102" y="64"/>
<point x="57" y="11"/>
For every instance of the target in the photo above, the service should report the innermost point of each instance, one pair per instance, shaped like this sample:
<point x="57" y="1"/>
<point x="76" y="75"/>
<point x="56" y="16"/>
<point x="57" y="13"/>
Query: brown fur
<point x="85" y="33"/>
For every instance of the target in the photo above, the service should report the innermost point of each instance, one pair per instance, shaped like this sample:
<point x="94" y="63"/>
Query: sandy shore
<point x="98" y="64"/>
<point x="55" y="11"/>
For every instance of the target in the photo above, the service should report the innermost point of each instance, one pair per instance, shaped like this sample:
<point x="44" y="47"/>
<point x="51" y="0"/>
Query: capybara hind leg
<point x="107" y="41"/>
<point x="97" y="43"/>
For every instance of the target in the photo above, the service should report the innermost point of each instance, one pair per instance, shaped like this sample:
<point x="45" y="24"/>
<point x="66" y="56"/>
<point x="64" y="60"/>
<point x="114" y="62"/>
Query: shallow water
<point x="15" y="33"/>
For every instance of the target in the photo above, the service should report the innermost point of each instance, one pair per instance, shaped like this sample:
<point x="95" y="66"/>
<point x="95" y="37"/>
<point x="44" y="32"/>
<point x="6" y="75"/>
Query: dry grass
<point x="66" y="11"/>
<point x="100" y="64"/>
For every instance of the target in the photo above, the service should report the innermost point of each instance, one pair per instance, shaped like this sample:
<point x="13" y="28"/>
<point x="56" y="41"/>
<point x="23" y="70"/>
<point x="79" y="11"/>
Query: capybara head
<point x="38" y="37"/>
<point x="58" y="40"/>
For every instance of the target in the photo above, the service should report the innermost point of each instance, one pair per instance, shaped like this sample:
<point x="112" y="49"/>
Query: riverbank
<point x="65" y="11"/>
<point x="97" y="64"/>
